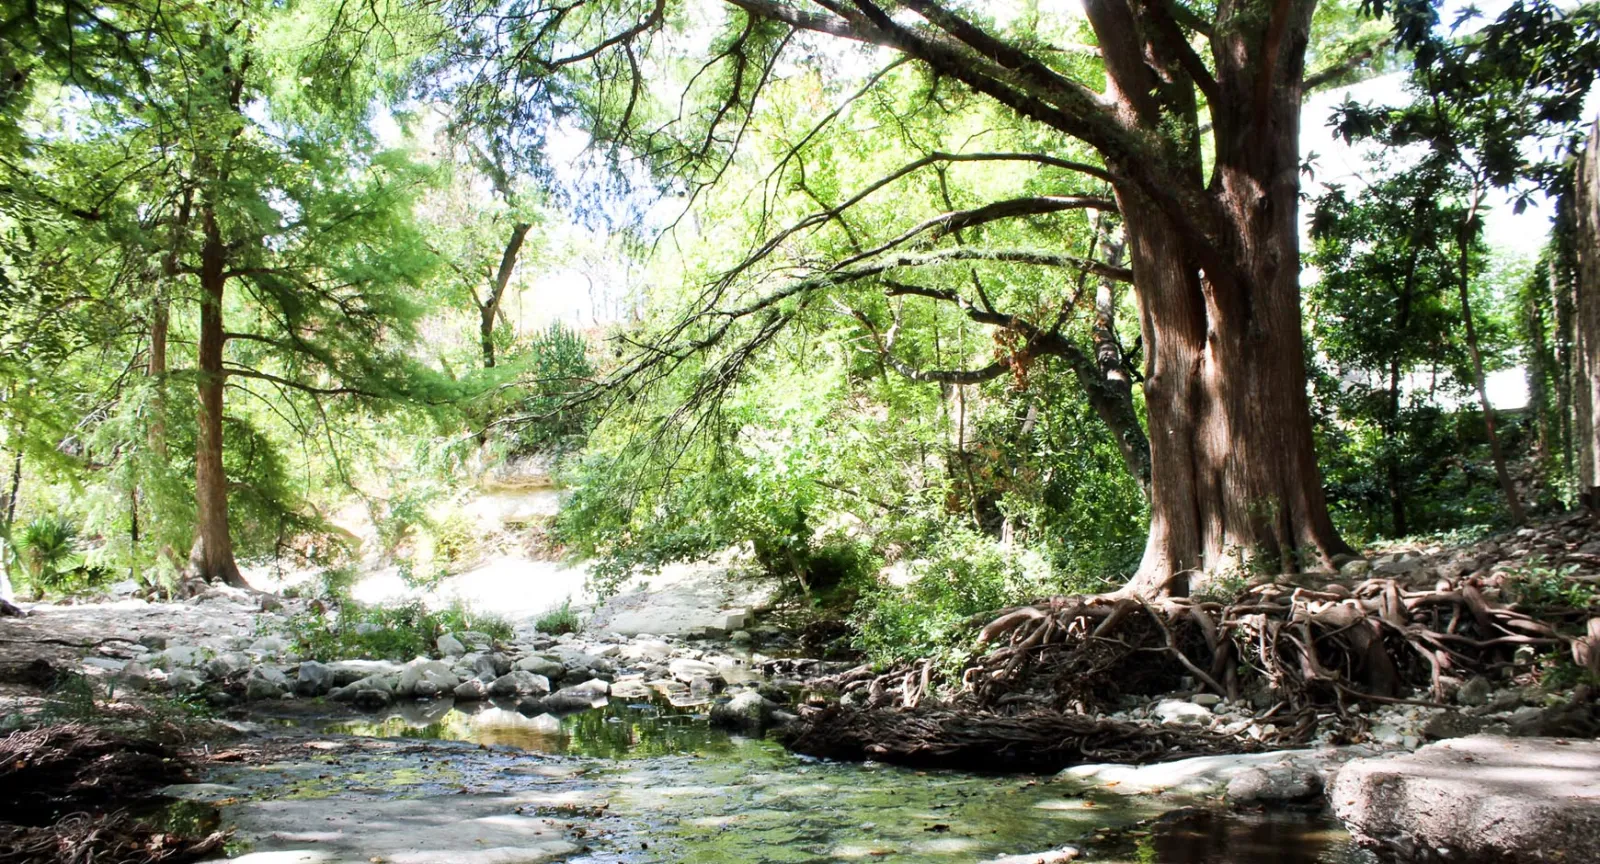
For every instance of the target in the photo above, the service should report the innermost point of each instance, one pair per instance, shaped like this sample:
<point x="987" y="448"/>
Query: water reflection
<point x="614" y="731"/>
<point x="1212" y="837"/>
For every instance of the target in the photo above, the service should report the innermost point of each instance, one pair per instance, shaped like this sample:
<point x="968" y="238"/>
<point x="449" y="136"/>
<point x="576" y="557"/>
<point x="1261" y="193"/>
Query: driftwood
<point x="1032" y="742"/>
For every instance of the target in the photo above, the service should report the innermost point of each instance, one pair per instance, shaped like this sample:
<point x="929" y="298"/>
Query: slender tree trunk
<point x="16" y="488"/>
<point x="211" y="557"/>
<point x="497" y="291"/>
<point x="1463" y="279"/>
<point x="1586" y="325"/>
<point x="1391" y="434"/>
<point x="1114" y="384"/>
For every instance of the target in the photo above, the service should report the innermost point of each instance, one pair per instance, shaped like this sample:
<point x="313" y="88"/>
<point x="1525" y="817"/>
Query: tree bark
<point x="497" y="291"/>
<point x="211" y="557"/>
<point x="1111" y="391"/>
<point x="1234" y="476"/>
<point x="1586" y="325"/>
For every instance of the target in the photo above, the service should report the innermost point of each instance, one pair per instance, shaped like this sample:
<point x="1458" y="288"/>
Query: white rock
<point x="450" y="646"/>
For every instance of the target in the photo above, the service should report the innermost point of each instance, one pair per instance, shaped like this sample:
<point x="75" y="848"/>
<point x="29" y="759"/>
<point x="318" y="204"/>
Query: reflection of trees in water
<point x="613" y="731"/>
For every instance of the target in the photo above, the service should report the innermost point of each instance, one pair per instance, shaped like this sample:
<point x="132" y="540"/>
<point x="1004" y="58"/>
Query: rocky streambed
<point x="599" y="748"/>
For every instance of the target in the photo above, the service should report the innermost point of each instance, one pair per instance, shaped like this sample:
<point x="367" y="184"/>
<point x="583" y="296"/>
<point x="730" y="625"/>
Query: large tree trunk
<point x="211" y="558"/>
<point x="1234" y="472"/>
<point x="1586" y="325"/>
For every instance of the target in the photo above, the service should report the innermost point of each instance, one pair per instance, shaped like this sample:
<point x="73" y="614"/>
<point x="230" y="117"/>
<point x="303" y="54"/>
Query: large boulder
<point x="518" y="683"/>
<point x="1482" y="798"/>
<point x="313" y="679"/>
<point x="748" y="712"/>
<point x="545" y="666"/>
<point x="266" y="682"/>
<point x="449" y="646"/>
<point x="384" y="683"/>
<point x="425" y="680"/>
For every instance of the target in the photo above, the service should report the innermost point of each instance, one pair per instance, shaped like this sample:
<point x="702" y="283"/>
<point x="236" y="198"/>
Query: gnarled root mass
<point x="1309" y="648"/>
<point x="114" y="838"/>
<point x="1030" y="742"/>
<point x="63" y="790"/>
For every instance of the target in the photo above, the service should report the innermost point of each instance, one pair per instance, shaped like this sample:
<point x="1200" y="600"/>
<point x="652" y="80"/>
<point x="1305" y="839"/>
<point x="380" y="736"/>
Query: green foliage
<point x="964" y="574"/>
<point x="554" y="365"/>
<point x="48" y="548"/>
<point x="353" y="630"/>
<point x="1537" y="584"/>
<point x="559" y="620"/>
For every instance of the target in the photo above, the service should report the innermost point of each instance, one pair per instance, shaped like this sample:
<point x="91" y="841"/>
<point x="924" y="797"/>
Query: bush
<point x="384" y="632"/>
<point x="48" y="548"/>
<point x="559" y="620"/>
<point x="965" y="574"/>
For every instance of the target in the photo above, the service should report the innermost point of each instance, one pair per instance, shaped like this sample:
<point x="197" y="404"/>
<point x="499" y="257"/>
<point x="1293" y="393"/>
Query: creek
<point x="646" y="782"/>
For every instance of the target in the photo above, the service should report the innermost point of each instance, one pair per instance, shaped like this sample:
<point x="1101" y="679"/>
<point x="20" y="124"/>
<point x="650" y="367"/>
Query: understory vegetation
<point x="844" y="313"/>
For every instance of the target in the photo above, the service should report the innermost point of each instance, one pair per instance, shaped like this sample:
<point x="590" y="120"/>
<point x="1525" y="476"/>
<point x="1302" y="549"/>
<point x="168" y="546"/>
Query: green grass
<point x="385" y="632"/>
<point x="558" y="621"/>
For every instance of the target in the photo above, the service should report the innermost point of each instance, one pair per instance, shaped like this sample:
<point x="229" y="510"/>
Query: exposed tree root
<point x="115" y="838"/>
<point x="62" y="794"/>
<point x="54" y="770"/>
<point x="1318" y="644"/>
<point x="1042" y="741"/>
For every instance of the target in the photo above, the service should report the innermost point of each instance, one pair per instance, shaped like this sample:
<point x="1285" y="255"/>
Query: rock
<point x="475" y="640"/>
<point x="1278" y="786"/>
<point x="630" y="687"/>
<point x="471" y="690"/>
<point x="313" y="679"/>
<point x="1049" y="856"/>
<point x="347" y="672"/>
<point x="551" y="669"/>
<point x="1397" y="564"/>
<point x="1210" y="775"/>
<point x="747" y="712"/>
<point x="372" y="699"/>
<point x="136" y="676"/>
<point x="687" y="670"/>
<point x="153" y="641"/>
<point x="594" y="688"/>
<point x="266" y="682"/>
<point x="1355" y="568"/>
<point x="449" y="646"/>
<point x="739" y="637"/>
<point x="1450" y="724"/>
<point x="645" y="649"/>
<point x="348" y="692"/>
<point x="1206" y="700"/>
<point x="185" y="680"/>
<point x="519" y="683"/>
<point x="1482" y="798"/>
<point x="227" y="665"/>
<point x="555" y="704"/>
<point x="269" y="646"/>
<point x="1474" y="692"/>
<point x="1173" y="712"/>
<point x="425" y="680"/>
<point x="178" y="656"/>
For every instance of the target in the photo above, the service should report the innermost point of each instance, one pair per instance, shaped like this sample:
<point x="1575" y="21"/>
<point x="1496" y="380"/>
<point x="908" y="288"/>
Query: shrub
<point x="965" y="574"/>
<point x="384" y="632"/>
<point x="559" y="620"/>
<point x="48" y="547"/>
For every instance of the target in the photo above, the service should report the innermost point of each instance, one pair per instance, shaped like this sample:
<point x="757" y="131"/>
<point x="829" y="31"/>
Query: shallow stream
<point x="651" y="783"/>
